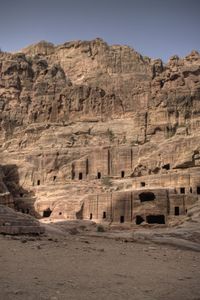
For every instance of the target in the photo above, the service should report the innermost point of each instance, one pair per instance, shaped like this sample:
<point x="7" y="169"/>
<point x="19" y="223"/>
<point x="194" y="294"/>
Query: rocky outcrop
<point x="75" y="113"/>
<point x="6" y="197"/>
<point x="12" y="222"/>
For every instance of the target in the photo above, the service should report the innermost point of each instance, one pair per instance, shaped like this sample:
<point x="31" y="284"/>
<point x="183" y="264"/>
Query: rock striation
<point x="84" y="123"/>
<point x="12" y="222"/>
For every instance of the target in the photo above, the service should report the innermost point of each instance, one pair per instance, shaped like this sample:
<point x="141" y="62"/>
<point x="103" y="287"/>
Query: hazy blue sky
<point x="157" y="28"/>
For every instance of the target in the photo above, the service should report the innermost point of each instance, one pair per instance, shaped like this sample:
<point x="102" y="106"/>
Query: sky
<point x="155" y="28"/>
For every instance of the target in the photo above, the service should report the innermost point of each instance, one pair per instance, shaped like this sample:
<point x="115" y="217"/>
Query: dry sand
<point x="57" y="267"/>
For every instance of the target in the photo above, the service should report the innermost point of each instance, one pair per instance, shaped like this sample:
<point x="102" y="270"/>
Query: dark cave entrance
<point x="80" y="176"/>
<point x="122" y="174"/>
<point x="182" y="190"/>
<point x="155" y="219"/>
<point x="99" y="175"/>
<point x="139" y="220"/>
<point x="122" y="219"/>
<point x="46" y="213"/>
<point x="198" y="190"/>
<point x="176" y="211"/>
<point x="166" y="167"/>
<point x="147" y="196"/>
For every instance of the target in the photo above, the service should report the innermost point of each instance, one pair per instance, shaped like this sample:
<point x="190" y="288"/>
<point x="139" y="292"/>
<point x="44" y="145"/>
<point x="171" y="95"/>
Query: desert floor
<point x="94" y="267"/>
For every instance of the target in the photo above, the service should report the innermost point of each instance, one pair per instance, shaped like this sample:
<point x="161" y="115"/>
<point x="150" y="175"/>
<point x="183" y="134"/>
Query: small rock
<point x="101" y="250"/>
<point x="23" y="240"/>
<point x="60" y="283"/>
<point x="18" y="292"/>
<point x="152" y="248"/>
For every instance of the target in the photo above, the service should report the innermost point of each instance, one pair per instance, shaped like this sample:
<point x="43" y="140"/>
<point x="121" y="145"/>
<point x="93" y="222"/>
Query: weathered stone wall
<point x="187" y="179"/>
<point x="114" y="162"/>
<point x="120" y="207"/>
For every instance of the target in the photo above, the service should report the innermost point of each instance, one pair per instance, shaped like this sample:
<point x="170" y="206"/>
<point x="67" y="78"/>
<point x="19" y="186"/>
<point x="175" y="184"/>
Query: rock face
<point x="85" y="121"/>
<point x="12" y="222"/>
<point x="5" y="195"/>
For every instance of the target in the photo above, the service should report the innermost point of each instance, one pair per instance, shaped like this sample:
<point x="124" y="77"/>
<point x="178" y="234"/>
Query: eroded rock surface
<point x="84" y="123"/>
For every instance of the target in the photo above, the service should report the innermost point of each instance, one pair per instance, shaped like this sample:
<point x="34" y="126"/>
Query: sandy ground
<point x="84" y="267"/>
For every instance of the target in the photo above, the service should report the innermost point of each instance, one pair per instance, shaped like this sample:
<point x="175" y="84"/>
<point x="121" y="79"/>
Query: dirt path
<point x="96" y="268"/>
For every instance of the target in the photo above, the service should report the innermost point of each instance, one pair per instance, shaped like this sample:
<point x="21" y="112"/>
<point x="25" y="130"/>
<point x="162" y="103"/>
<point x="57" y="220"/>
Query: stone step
<point x="16" y="220"/>
<point x="21" y="230"/>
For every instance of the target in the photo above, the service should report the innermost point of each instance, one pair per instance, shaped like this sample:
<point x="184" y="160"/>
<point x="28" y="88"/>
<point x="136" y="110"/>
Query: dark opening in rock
<point x="122" y="174"/>
<point x="142" y="183"/>
<point x="46" y="213"/>
<point x="139" y="220"/>
<point x="155" y="219"/>
<point x="121" y="219"/>
<point x="176" y="211"/>
<point x="90" y="216"/>
<point x="80" y="176"/>
<point x="182" y="190"/>
<point x="147" y="196"/>
<point x="198" y="190"/>
<point x="166" y="167"/>
<point x="38" y="182"/>
<point x="104" y="215"/>
<point x="54" y="178"/>
<point x="87" y="166"/>
<point x="99" y="175"/>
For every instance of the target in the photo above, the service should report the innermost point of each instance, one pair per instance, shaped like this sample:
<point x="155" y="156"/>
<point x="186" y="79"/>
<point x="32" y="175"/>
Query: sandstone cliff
<point x="82" y="111"/>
